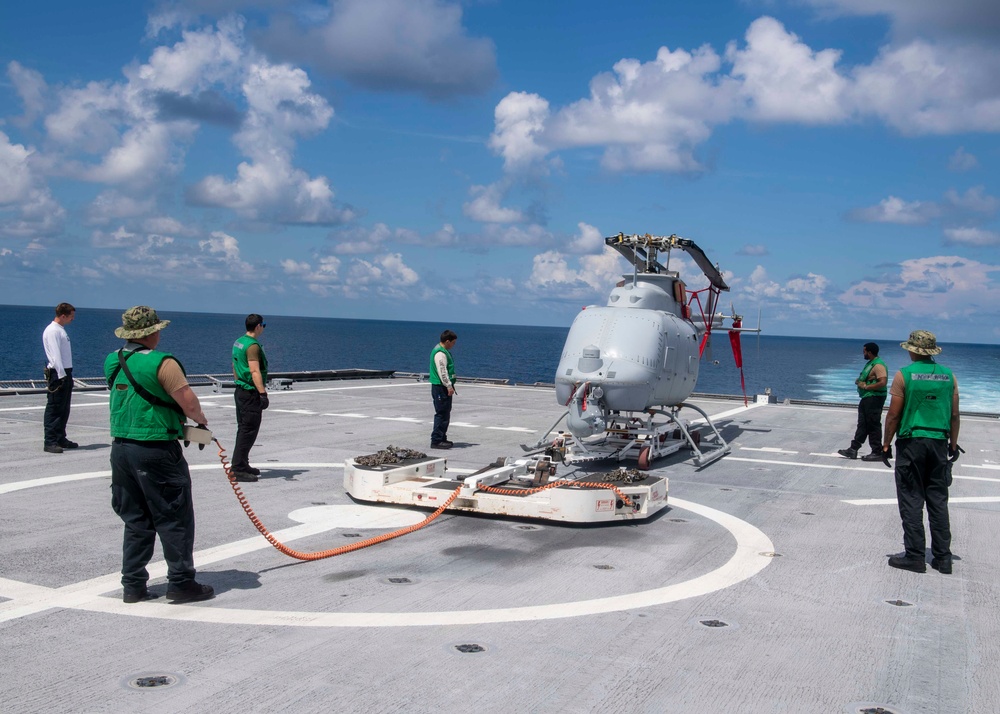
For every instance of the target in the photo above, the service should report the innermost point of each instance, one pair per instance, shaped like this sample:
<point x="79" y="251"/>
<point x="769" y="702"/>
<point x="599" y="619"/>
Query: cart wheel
<point x="696" y="438"/>
<point x="643" y="460"/>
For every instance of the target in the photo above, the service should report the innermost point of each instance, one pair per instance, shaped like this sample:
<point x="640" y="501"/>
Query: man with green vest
<point x="150" y="480"/>
<point x="871" y="384"/>
<point x="924" y="416"/>
<point x="442" y="379"/>
<point x="250" y="373"/>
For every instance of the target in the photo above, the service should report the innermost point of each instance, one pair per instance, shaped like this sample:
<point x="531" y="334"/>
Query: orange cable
<point x="320" y="555"/>
<point x="351" y="547"/>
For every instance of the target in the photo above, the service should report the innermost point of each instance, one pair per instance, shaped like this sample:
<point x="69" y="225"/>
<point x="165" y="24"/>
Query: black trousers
<point x="869" y="423"/>
<point x="923" y="475"/>
<point x="442" y="413"/>
<point x="151" y="493"/>
<point x="248" y="414"/>
<point x="57" y="407"/>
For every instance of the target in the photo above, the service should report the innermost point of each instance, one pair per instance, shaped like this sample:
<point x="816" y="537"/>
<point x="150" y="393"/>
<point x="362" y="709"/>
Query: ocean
<point x="792" y="367"/>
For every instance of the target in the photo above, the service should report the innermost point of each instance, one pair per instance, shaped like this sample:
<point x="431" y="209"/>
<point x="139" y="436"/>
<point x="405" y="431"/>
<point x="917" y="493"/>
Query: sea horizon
<point x="790" y="366"/>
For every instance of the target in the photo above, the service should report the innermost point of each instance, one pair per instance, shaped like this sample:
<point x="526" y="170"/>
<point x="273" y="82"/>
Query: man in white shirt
<point x="59" y="374"/>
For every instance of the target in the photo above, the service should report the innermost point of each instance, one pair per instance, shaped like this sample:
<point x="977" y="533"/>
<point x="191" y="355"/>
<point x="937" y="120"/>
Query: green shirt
<point x="929" y="389"/>
<point x="132" y="417"/>
<point x="433" y="372"/>
<point x="864" y="378"/>
<point x="241" y="365"/>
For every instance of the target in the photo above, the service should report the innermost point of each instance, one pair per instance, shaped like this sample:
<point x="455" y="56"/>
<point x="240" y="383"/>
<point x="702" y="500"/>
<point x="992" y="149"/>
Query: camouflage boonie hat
<point x="140" y="321"/>
<point x="921" y="342"/>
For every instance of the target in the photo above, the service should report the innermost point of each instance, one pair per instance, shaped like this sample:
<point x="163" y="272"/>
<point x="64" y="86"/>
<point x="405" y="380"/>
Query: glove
<point x="264" y="401"/>
<point x="953" y="452"/>
<point x="886" y="455"/>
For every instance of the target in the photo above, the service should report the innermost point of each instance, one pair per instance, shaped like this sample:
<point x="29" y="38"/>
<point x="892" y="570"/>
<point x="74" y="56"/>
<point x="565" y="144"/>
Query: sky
<point x="462" y="162"/>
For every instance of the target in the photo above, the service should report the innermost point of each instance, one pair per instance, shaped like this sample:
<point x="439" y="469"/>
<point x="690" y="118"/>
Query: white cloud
<point x="798" y="297"/>
<point x="16" y="179"/>
<point x="896" y="210"/>
<point x="937" y="289"/>
<point x="974" y="199"/>
<point x="409" y="45"/>
<point x="110" y="206"/>
<point x="588" y="240"/>
<point x="37" y="213"/>
<point x="269" y="187"/>
<point x="485" y="206"/>
<point x="751" y="249"/>
<point x="784" y="80"/>
<point x="221" y="244"/>
<point x="519" y="119"/>
<point x="962" y="160"/>
<point x="923" y="88"/>
<point x="976" y="237"/>
<point x="591" y="280"/>
<point x="31" y="88"/>
<point x="652" y="116"/>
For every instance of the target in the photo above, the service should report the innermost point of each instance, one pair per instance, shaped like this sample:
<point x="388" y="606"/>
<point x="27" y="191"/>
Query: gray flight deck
<point x="763" y="588"/>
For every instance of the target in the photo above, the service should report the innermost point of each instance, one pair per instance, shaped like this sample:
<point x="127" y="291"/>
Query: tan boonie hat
<point x="921" y="342"/>
<point x="139" y="321"/>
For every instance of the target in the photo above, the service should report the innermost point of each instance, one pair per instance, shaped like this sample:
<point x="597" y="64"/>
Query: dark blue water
<point x="792" y="367"/>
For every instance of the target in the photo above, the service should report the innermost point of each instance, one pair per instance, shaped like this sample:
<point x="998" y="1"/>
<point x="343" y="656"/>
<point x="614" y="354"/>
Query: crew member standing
<point x="442" y="379"/>
<point x="59" y="379"/>
<point x="150" y="480"/>
<point x="924" y="412"/>
<point x="250" y="373"/>
<point x="871" y="384"/>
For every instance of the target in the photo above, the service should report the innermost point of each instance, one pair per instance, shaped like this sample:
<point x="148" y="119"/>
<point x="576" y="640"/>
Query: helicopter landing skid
<point x="636" y="435"/>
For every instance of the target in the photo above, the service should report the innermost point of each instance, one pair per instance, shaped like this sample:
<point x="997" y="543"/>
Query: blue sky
<point x="461" y="162"/>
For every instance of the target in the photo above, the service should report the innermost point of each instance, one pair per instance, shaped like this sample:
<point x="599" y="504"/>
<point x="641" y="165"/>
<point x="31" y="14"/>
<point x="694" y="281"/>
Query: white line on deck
<point x="409" y="420"/>
<point x="767" y="449"/>
<point x="50" y="480"/>
<point x="883" y="469"/>
<point x="892" y="501"/>
<point x="512" y="428"/>
<point x="746" y="562"/>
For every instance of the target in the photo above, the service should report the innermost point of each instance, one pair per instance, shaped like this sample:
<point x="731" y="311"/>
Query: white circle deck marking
<point x="330" y="517"/>
<point x="744" y="564"/>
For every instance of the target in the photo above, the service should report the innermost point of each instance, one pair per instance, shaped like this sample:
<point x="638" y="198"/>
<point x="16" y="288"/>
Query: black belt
<point x="151" y="442"/>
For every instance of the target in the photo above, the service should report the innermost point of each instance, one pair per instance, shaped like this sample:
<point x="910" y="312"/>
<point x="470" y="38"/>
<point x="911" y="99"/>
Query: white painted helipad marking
<point x="883" y="469"/>
<point x="296" y="411"/>
<point x="350" y="416"/>
<point x="984" y="466"/>
<point x="463" y="424"/>
<point x="50" y="480"/>
<point x="832" y="456"/>
<point x="768" y="449"/>
<point x="355" y="516"/>
<point x="409" y="420"/>
<point x="512" y="428"/>
<point x="731" y="412"/>
<point x="893" y="502"/>
<point x="746" y="562"/>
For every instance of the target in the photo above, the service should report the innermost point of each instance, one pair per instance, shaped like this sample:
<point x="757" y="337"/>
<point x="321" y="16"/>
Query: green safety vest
<point x="132" y="417"/>
<point x="241" y="366"/>
<point x="433" y="373"/>
<point x="927" y="404"/>
<point x="863" y="378"/>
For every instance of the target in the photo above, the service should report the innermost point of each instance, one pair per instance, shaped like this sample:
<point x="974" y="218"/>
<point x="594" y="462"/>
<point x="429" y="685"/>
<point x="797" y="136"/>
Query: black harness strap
<point x="139" y="389"/>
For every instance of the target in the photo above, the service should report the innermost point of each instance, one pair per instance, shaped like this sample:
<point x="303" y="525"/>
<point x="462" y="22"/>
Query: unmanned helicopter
<point x="628" y="367"/>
